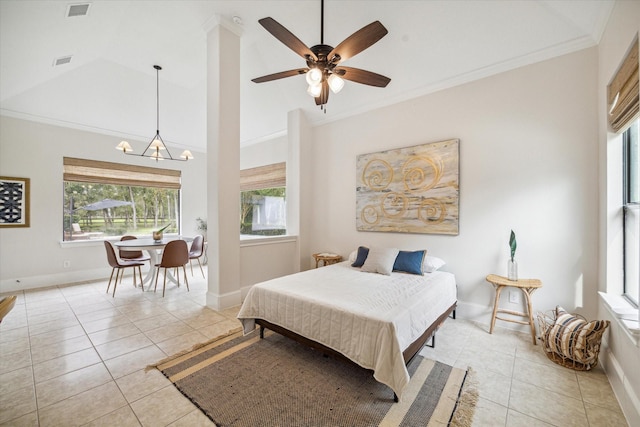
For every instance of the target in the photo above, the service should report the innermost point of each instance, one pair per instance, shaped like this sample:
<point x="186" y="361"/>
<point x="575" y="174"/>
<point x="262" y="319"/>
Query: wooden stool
<point x="327" y="258"/>
<point x="527" y="286"/>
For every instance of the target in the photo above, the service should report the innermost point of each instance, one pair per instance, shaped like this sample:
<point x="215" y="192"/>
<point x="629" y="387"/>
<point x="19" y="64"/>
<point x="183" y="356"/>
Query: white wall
<point x="620" y="353"/>
<point x="528" y="162"/>
<point x="264" y="259"/>
<point x="33" y="150"/>
<point x="264" y="153"/>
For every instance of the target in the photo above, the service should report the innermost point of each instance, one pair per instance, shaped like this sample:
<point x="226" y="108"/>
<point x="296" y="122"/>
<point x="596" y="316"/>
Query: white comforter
<point x="368" y="317"/>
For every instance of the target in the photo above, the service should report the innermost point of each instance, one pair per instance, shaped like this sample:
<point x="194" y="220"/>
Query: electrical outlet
<point x="514" y="297"/>
<point x="66" y="263"/>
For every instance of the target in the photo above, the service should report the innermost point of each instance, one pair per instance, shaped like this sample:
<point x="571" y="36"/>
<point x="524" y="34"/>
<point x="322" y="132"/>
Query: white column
<point x="299" y="216"/>
<point x="223" y="163"/>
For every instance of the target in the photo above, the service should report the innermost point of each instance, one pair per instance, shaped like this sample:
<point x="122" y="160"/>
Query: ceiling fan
<point x="323" y="70"/>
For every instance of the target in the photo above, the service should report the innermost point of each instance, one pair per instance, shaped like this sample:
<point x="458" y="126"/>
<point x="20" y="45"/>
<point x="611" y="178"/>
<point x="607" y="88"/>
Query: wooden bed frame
<point x="410" y="352"/>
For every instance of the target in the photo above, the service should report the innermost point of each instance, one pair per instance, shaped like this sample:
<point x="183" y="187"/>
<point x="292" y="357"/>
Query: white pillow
<point x="432" y="263"/>
<point x="352" y="256"/>
<point x="380" y="260"/>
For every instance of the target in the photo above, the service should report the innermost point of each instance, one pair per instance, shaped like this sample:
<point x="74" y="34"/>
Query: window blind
<point x="82" y="170"/>
<point x="623" y="98"/>
<point x="269" y="176"/>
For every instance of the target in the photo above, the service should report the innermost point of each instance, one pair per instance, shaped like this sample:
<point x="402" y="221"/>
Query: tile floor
<point x="518" y="386"/>
<point x="73" y="355"/>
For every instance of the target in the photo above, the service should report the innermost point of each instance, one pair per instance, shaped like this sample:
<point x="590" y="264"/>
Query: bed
<point x="376" y="321"/>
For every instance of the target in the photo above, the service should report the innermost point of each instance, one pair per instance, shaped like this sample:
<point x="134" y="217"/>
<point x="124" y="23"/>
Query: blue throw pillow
<point x="410" y="262"/>
<point x="361" y="257"/>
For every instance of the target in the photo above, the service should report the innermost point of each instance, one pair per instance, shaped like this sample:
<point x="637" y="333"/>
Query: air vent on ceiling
<point x="78" y="9"/>
<point x="62" y="60"/>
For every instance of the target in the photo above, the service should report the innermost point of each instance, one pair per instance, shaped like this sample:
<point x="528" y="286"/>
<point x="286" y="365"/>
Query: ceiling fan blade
<point x="362" y="76"/>
<point x="280" y="75"/>
<point x="287" y="37"/>
<point x="324" y="94"/>
<point x="358" y="41"/>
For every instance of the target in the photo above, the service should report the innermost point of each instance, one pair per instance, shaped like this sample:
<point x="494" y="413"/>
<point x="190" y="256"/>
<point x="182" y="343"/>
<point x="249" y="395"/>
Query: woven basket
<point x="574" y="344"/>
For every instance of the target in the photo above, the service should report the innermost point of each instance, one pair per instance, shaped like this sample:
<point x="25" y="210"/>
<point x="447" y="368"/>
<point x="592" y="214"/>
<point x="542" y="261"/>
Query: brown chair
<point x="6" y="304"/>
<point x="196" y="252"/>
<point x="120" y="265"/>
<point x="132" y="255"/>
<point x="176" y="254"/>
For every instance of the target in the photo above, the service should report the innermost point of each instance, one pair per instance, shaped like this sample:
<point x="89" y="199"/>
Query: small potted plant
<point x="157" y="235"/>
<point x="202" y="226"/>
<point x="512" y="265"/>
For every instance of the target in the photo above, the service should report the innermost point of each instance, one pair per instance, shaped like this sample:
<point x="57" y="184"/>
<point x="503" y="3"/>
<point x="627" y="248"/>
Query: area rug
<point x="275" y="381"/>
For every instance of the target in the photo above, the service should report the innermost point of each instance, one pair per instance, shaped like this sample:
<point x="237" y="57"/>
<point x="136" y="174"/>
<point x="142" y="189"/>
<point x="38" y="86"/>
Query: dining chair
<point x="133" y="255"/>
<point x="176" y="254"/>
<point x="196" y="252"/>
<point x="6" y="304"/>
<point x="119" y="265"/>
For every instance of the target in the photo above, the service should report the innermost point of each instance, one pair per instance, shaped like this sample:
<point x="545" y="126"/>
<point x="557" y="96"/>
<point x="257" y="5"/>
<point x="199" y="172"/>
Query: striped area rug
<point x="248" y="381"/>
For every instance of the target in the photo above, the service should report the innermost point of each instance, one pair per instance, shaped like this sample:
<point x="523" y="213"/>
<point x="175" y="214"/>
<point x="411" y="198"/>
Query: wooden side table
<point x="327" y="258"/>
<point x="527" y="286"/>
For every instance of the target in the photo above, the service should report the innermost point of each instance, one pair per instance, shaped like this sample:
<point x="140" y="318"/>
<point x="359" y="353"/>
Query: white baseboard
<point x="475" y="312"/>
<point x="215" y="301"/>
<point x="482" y="314"/>
<point x="220" y="302"/>
<point x="34" y="282"/>
<point x="628" y="399"/>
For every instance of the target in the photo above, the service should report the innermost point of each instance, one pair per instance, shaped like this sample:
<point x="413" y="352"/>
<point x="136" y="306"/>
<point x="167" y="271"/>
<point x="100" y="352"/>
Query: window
<point x="631" y="209"/>
<point x="263" y="208"/>
<point x="103" y="200"/>
<point x="623" y="104"/>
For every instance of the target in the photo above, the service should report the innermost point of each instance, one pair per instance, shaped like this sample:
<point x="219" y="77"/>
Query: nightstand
<point x="326" y="258"/>
<point x="528" y="287"/>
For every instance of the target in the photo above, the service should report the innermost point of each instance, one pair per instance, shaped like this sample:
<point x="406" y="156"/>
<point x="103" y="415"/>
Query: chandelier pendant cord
<point x="157" y="67"/>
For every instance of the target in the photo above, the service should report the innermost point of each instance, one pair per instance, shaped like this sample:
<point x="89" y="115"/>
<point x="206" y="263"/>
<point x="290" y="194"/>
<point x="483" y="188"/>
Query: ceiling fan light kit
<point x="314" y="90"/>
<point x="157" y="144"/>
<point x="323" y="71"/>
<point x="335" y="83"/>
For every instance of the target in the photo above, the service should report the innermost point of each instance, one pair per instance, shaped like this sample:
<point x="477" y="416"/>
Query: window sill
<point x="81" y="243"/>
<point x="625" y="314"/>
<point x="248" y="240"/>
<point x="97" y="240"/>
<point x="245" y="240"/>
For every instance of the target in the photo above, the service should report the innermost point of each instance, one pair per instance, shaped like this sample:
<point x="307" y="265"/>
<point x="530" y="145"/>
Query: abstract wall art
<point x="409" y="190"/>
<point x="14" y="202"/>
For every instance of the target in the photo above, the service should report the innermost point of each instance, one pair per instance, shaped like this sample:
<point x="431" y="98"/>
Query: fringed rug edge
<point x="467" y="400"/>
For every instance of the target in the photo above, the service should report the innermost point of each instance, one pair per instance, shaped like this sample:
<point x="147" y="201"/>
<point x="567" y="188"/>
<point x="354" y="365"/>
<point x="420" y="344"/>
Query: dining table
<point x="154" y="248"/>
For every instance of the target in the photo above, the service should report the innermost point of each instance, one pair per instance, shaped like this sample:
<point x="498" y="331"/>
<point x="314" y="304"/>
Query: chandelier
<point x="156" y="146"/>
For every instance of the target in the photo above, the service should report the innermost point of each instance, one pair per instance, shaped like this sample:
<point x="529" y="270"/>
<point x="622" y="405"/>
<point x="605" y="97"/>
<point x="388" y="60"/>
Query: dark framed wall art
<point x="14" y="202"/>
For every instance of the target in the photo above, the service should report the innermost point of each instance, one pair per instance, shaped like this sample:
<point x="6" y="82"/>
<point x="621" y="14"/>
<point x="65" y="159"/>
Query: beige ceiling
<point x="109" y="85"/>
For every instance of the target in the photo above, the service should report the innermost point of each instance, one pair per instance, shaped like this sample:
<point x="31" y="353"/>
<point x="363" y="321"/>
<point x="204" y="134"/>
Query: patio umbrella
<point x="105" y="204"/>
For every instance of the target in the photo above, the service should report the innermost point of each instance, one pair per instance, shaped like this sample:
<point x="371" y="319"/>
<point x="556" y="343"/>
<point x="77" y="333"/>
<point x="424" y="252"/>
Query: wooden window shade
<point x="624" y="87"/>
<point x="269" y="176"/>
<point x="81" y="170"/>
